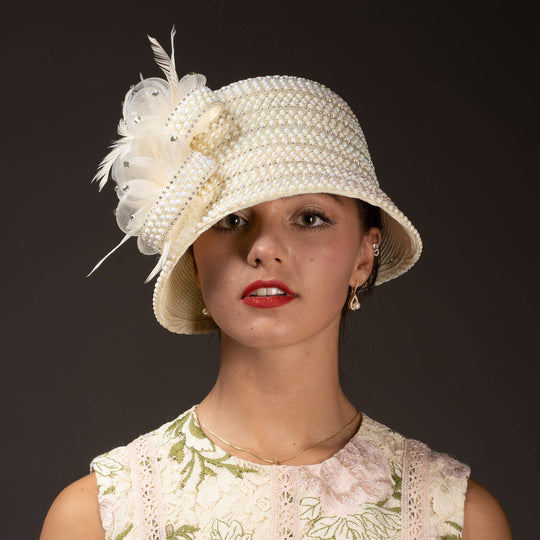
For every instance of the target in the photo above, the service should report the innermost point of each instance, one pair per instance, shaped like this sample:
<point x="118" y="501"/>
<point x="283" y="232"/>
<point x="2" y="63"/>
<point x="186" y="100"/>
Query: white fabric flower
<point x="108" y="504"/>
<point x="447" y="491"/>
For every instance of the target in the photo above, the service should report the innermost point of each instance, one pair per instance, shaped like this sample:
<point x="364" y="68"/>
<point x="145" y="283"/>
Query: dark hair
<point x="370" y="216"/>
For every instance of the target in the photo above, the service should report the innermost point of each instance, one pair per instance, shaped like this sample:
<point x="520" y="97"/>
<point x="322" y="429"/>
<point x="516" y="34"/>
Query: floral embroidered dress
<point x="175" y="483"/>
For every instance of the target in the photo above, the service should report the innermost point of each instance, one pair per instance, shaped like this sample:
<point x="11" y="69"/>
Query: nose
<point x="266" y="245"/>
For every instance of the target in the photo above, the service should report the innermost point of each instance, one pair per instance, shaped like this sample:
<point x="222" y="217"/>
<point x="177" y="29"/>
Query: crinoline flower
<point x="155" y="168"/>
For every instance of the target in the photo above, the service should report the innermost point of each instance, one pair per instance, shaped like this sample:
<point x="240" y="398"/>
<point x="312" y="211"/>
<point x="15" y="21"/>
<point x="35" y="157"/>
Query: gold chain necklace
<point x="276" y="461"/>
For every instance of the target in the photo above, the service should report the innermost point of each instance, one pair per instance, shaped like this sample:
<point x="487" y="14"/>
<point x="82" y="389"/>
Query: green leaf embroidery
<point x="224" y="531"/>
<point x="124" y="533"/>
<point x="372" y="523"/>
<point x="185" y="531"/>
<point x="195" y="430"/>
<point x="176" y="426"/>
<point x="310" y="508"/>
<point x="451" y="537"/>
<point x="187" y="471"/>
<point x="207" y="466"/>
<point x="396" y="477"/>
<point x="177" y="451"/>
<point x="375" y="522"/>
<point x="106" y="466"/>
<point x="455" y="525"/>
<point x="109" y="490"/>
<point x="328" y="527"/>
<point x="197" y="460"/>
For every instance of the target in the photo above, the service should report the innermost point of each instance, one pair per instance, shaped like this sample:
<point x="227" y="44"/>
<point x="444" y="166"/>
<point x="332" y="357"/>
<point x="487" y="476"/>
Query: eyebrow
<point x="335" y="197"/>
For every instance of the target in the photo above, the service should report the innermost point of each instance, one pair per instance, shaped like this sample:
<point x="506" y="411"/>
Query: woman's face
<point x="278" y="273"/>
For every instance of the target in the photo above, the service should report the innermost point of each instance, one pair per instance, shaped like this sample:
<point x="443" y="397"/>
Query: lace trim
<point x="285" y="503"/>
<point x="147" y="486"/>
<point x="415" y="491"/>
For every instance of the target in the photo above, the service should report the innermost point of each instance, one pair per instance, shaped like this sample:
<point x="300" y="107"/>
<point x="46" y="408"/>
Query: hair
<point x="370" y="216"/>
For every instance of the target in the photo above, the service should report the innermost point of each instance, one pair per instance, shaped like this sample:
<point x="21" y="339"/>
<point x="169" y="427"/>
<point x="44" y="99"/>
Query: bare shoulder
<point x="484" y="516"/>
<point x="75" y="513"/>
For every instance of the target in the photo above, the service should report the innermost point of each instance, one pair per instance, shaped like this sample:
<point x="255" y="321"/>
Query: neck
<point x="277" y="401"/>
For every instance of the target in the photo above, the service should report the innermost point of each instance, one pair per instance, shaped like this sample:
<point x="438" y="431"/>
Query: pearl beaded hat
<point x="189" y="156"/>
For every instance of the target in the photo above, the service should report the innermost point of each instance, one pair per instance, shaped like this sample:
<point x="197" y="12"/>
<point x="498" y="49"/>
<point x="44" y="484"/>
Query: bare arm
<point x="75" y="513"/>
<point x="484" y="517"/>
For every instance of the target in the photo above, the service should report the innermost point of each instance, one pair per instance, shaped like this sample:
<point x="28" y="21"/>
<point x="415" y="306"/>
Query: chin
<point x="261" y="336"/>
<point x="266" y="333"/>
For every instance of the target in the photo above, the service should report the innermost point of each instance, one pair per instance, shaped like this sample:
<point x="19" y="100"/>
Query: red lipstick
<point x="267" y="301"/>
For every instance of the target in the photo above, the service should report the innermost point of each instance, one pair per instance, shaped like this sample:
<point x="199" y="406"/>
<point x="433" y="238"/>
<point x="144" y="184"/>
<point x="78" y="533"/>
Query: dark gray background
<point x="447" y="96"/>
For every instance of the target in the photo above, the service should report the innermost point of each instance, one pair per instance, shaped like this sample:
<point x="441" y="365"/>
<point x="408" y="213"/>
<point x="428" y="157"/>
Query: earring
<point x="205" y="312"/>
<point x="376" y="250"/>
<point x="354" y="303"/>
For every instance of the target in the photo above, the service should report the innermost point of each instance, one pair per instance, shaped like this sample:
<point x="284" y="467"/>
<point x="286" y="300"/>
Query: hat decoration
<point x="153" y="164"/>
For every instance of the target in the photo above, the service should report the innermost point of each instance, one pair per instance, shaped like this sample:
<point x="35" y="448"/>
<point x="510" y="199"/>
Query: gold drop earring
<point x="354" y="303"/>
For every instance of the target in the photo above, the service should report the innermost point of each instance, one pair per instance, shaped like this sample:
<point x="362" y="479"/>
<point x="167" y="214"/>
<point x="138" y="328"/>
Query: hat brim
<point x="178" y="300"/>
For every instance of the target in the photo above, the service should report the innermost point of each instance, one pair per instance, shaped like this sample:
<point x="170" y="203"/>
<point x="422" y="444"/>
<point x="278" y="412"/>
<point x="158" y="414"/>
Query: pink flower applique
<point x="357" y="474"/>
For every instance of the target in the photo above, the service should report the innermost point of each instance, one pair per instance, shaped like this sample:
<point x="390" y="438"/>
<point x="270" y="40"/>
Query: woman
<point x="262" y="201"/>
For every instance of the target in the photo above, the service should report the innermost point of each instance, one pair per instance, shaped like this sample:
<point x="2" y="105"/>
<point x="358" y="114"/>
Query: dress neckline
<point x="349" y="445"/>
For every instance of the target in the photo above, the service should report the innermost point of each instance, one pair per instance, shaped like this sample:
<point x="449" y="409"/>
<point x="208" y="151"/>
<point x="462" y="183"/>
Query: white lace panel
<point x="415" y="491"/>
<point x="285" y="503"/>
<point x="147" y="487"/>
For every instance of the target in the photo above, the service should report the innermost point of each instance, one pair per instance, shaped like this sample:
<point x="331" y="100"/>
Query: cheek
<point x="328" y="267"/>
<point x="214" y="269"/>
<point x="203" y="258"/>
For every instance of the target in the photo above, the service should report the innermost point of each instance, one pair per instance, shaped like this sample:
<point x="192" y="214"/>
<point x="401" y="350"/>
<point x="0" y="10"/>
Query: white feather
<point x="161" y="262"/>
<point x="173" y="61"/>
<point x="104" y="168"/>
<point x="166" y="63"/>
<point x="125" y="239"/>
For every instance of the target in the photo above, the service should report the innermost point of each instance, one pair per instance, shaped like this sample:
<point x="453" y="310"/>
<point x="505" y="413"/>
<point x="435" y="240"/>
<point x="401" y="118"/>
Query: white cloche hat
<point x="189" y="156"/>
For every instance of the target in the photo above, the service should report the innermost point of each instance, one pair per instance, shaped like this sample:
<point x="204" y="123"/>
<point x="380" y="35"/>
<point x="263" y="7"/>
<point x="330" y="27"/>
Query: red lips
<point x="267" y="284"/>
<point x="267" y="301"/>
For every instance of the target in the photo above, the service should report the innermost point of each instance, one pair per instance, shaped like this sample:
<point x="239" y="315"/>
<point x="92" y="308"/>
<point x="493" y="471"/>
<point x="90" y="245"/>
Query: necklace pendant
<point x="276" y="462"/>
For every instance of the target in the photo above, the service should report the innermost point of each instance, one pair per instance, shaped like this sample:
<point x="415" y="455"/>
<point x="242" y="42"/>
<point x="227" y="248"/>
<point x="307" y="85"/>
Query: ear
<point x="364" y="260"/>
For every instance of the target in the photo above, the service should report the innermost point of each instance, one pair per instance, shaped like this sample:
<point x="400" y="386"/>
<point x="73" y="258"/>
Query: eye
<point x="230" y="222"/>
<point x="311" y="219"/>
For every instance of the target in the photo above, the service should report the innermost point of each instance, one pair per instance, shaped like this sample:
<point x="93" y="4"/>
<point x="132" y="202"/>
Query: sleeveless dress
<point x="175" y="483"/>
